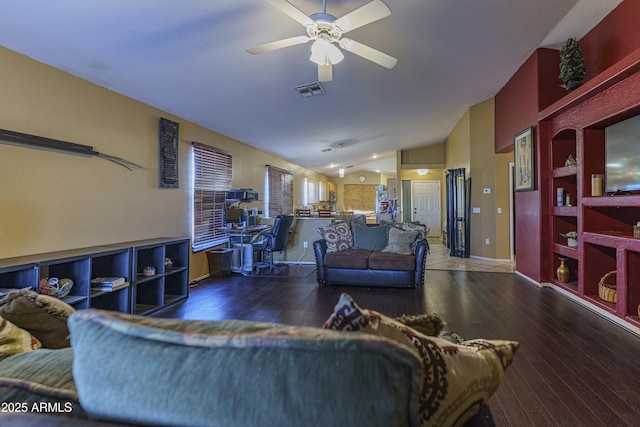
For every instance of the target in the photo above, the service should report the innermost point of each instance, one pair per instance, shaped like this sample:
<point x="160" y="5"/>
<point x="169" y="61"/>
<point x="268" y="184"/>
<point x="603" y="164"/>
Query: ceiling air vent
<point x="310" y="89"/>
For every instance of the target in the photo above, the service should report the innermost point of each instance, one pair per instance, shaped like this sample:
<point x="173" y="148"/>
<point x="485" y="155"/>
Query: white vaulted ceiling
<point x="189" y="58"/>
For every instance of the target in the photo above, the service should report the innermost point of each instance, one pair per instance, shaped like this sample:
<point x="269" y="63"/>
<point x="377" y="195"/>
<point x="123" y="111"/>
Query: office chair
<point x="274" y="240"/>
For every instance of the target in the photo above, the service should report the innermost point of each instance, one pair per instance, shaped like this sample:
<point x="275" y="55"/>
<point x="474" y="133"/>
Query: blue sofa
<point x="140" y="370"/>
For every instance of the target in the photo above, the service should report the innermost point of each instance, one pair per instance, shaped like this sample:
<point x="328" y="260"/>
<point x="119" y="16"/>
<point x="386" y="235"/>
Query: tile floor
<point x="439" y="259"/>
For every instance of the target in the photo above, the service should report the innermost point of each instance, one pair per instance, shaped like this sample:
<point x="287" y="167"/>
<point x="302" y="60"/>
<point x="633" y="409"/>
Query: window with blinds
<point x="279" y="192"/>
<point x="211" y="180"/>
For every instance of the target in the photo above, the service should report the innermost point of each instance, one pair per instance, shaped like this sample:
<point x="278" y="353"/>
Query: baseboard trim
<point x="595" y="309"/>
<point x="530" y="280"/>
<point x="489" y="259"/>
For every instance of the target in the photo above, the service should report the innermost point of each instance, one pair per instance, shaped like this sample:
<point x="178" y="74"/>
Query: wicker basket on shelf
<point x="607" y="287"/>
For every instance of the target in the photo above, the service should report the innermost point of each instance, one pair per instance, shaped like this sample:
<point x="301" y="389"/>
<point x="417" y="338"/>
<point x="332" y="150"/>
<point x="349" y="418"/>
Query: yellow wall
<point x="431" y="156"/>
<point x="457" y="153"/>
<point x="503" y="245"/>
<point x="52" y="201"/>
<point x="471" y="146"/>
<point x="483" y="176"/>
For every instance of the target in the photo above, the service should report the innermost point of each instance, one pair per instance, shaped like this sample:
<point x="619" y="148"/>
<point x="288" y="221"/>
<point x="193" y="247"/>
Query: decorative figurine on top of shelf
<point x="572" y="238"/>
<point x="563" y="271"/>
<point x="572" y="69"/>
<point x="570" y="160"/>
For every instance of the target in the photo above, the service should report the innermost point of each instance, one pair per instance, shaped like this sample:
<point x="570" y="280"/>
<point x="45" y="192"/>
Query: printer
<point x="243" y="195"/>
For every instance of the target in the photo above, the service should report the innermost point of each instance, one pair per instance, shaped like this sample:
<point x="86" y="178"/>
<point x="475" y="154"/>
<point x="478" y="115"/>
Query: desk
<point x="242" y="260"/>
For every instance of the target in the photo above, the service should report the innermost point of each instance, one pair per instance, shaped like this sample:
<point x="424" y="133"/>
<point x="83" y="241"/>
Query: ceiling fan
<point x="326" y="32"/>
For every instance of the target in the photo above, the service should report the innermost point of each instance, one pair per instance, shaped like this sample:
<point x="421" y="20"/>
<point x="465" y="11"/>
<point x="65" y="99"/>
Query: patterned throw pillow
<point x="338" y="236"/>
<point x="428" y="324"/>
<point x="409" y="226"/>
<point x="43" y="316"/>
<point x="400" y="241"/>
<point x="14" y="340"/>
<point x="457" y="378"/>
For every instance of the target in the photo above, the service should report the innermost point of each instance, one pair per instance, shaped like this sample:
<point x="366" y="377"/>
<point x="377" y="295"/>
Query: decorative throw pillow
<point x="428" y="324"/>
<point x="400" y="241"/>
<point x="338" y="236"/>
<point x="14" y="340"/>
<point x="370" y="238"/>
<point x="457" y="378"/>
<point x="409" y="226"/>
<point x="43" y="316"/>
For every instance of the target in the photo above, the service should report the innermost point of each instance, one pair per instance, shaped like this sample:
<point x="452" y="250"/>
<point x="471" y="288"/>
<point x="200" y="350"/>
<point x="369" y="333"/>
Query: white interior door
<point x="425" y="205"/>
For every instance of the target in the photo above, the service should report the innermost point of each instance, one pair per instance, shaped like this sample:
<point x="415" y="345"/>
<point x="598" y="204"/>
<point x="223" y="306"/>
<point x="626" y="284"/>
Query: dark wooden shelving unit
<point x="170" y="284"/>
<point x="143" y="295"/>
<point x="576" y="125"/>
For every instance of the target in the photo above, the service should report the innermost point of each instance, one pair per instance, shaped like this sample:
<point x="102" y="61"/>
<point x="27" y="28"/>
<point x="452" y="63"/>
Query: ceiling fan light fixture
<point x="341" y="172"/>
<point x="325" y="53"/>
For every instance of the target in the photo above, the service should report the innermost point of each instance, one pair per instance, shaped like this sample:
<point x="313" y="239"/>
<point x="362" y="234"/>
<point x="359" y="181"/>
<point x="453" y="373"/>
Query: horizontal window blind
<point x="280" y="183"/>
<point x="211" y="180"/>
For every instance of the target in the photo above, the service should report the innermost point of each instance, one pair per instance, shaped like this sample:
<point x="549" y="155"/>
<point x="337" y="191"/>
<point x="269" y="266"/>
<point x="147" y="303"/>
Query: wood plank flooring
<point x="573" y="367"/>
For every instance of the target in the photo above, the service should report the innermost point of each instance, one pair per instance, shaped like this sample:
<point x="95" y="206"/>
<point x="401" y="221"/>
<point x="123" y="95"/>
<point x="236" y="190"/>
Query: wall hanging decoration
<point x="524" y="160"/>
<point x="168" y="153"/>
<point x="42" y="143"/>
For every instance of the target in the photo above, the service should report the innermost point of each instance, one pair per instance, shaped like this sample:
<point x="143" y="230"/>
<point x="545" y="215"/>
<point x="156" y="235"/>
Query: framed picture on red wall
<point x="524" y="160"/>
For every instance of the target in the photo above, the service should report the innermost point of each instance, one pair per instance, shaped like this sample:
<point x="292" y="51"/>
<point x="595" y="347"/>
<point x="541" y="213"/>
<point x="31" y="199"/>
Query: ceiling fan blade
<point x="292" y="41"/>
<point x="364" y="15"/>
<point x="325" y="73"/>
<point x="368" y="53"/>
<point x="292" y="11"/>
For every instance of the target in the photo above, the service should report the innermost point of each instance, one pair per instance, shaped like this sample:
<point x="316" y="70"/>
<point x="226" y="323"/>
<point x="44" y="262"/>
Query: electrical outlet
<point x="305" y="245"/>
<point x="487" y="241"/>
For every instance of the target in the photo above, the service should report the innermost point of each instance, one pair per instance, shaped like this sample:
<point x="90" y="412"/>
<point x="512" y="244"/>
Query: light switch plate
<point x="476" y="210"/>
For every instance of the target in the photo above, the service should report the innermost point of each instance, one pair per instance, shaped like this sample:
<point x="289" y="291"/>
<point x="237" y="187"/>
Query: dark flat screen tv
<point x="623" y="157"/>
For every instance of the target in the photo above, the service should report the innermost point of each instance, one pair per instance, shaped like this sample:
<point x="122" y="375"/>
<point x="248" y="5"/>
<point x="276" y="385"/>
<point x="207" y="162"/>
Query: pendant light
<point x="341" y="169"/>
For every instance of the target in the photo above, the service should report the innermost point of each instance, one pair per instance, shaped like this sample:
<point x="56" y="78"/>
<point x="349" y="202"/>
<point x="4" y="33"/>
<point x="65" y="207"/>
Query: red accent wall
<point x="534" y="87"/>
<point x="615" y="37"/>
<point x="516" y="105"/>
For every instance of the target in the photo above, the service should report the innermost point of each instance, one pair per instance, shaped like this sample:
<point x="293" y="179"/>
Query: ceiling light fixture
<point x="341" y="170"/>
<point x="325" y="53"/>
<point x="326" y="31"/>
<point x="422" y="172"/>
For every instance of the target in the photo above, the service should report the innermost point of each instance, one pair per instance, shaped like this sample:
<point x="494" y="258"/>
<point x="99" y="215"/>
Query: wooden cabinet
<point x="144" y="295"/>
<point x="326" y="190"/>
<point x="576" y="125"/>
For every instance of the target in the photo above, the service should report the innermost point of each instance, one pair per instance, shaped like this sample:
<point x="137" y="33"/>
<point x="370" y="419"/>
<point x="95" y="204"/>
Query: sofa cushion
<point x="370" y="238"/>
<point x="456" y="379"/>
<point x="391" y="261"/>
<point x="14" y="340"/>
<point x="352" y="258"/>
<point x="45" y="317"/>
<point x="239" y="373"/>
<point x="338" y="236"/>
<point x="400" y="241"/>
<point x="41" y="377"/>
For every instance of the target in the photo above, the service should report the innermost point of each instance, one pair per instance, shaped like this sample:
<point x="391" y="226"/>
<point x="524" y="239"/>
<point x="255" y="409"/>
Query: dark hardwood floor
<point x="573" y="368"/>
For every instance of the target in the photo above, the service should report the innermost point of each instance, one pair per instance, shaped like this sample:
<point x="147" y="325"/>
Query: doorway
<point x="425" y="204"/>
